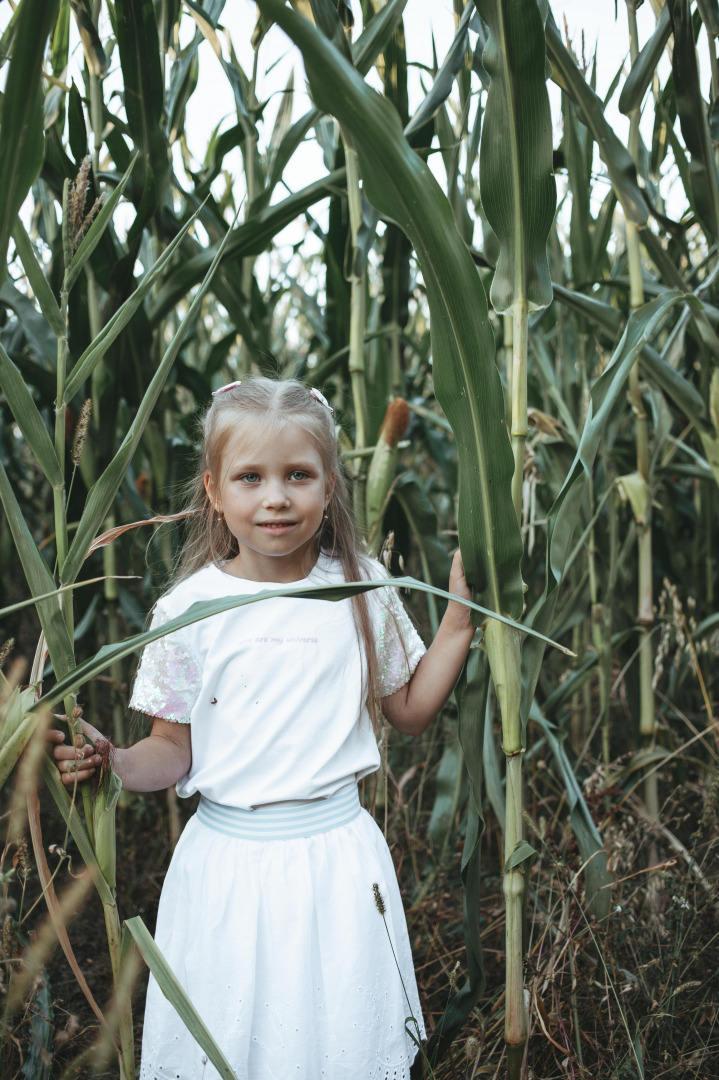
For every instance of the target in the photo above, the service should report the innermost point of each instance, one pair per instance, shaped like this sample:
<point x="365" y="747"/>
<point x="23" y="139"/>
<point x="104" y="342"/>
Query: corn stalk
<point x="519" y="197"/>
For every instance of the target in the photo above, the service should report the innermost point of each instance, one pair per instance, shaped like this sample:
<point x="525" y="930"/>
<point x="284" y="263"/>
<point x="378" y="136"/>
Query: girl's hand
<point x="458" y="614"/>
<point x="75" y="763"/>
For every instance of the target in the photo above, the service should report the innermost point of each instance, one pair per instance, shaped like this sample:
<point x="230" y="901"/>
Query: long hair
<point x="208" y="539"/>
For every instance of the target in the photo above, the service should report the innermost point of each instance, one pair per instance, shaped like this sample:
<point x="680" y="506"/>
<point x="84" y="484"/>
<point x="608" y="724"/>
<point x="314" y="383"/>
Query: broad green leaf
<point x="563" y="515"/>
<point x="71" y="814"/>
<point x="643" y="68"/>
<point x="144" y="98"/>
<point x="104" y="807"/>
<point x="678" y="389"/>
<point x="39" y="579"/>
<point x="102" y="494"/>
<point x="703" y="173"/>
<point x="21" y="132"/>
<point x="471" y="694"/>
<point x="28" y="419"/>
<point x="94" y="233"/>
<point x="38" y="282"/>
<point x="401" y="187"/>
<point x="97" y="61"/>
<point x="615" y="155"/>
<point x="14" y="744"/>
<point x="709" y="11"/>
<point x="95" y="351"/>
<point x="635" y="490"/>
<point x="449" y="791"/>
<point x="327" y="20"/>
<point x="444" y="79"/>
<point x="523" y="853"/>
<point x="515" y="158"/>
<point x="376" y="35"/>
<point x="12" y="608"/>
<point x="596" y="871"/>
<point x="177" y="995"/>
<point x="206" y="608"/>
<point x="250" y="238"/>
<point x="14" y="710"/>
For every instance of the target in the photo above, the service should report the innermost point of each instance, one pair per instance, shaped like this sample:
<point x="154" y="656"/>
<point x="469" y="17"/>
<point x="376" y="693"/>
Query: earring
<point x="325" y="515"/>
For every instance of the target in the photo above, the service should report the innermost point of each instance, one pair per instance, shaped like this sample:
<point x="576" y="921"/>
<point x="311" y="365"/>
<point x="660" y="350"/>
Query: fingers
<point x="75" y="764"/>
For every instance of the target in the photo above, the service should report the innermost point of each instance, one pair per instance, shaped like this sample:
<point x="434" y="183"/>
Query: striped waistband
<point x="281" y="822"/>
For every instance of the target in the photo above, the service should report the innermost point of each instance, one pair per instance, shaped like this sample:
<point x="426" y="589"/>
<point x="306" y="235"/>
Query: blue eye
<point x="298" y="474"/>
<point x="250" y="477"/>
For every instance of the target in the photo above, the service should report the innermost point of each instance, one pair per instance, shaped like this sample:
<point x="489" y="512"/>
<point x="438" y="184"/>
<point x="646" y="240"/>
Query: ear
<point x="330" y="487"/>
<point x="211" y="492"/>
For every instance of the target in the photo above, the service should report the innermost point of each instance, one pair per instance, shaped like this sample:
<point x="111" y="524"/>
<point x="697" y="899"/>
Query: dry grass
<point x="635" y="997"/>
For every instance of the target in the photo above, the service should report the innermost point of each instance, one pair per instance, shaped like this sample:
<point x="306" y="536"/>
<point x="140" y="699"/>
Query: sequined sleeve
<point x="168" y="679"/>
<point x="399" y="646"/>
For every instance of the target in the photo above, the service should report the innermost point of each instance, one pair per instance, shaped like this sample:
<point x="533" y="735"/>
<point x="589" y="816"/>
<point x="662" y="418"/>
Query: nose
<point x="276" y="494"/>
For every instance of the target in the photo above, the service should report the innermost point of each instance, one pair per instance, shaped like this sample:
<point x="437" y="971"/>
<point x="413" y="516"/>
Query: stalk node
<point x="514" y="753"/>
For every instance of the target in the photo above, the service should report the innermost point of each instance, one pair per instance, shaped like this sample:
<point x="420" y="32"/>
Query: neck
<point x="253" y="566"/>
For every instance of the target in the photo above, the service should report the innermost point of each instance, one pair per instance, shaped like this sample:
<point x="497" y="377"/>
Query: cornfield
<point x="513" y="310"/>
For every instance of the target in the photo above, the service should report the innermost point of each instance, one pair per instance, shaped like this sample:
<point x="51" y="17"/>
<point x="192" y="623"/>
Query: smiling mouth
<point x="275" y="526"/>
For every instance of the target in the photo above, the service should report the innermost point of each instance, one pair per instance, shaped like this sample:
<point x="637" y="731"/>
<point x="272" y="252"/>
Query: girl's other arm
<point x="412" y="708"/>
<point x="152" y="764"/>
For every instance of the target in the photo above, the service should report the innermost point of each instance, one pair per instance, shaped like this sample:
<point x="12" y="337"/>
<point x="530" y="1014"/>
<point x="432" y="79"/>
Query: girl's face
<point x="272" y="491"/>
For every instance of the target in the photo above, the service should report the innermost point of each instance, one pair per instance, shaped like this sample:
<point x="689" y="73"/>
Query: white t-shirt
<point x="273" y="690"/>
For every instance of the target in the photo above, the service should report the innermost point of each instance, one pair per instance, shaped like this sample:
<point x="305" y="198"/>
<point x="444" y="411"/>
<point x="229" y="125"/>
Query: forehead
<point x="267" y="443"/>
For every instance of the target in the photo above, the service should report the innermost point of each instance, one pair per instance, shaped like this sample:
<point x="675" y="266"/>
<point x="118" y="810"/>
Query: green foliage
<point x="146" y="300"/>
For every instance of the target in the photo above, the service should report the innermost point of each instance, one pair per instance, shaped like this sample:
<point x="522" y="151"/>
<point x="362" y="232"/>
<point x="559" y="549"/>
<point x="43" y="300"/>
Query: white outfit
<point x="279" y="942"/>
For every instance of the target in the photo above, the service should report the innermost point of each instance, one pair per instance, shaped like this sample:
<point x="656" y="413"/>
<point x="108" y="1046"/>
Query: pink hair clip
<point x="224" y="389"/>
<point x="321" y="398"/>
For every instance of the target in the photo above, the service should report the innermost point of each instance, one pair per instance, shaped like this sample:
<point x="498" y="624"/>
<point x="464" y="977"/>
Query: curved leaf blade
<point x="21" y="133"/>
<point x="401" y="187"/>
<point x="519" y="193"/>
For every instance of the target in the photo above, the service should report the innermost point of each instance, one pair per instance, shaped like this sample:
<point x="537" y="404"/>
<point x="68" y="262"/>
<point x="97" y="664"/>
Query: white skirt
<point x="285" y="955"/>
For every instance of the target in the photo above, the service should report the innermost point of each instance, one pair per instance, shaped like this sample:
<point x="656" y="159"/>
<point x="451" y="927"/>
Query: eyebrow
<point x="242" y="466"/>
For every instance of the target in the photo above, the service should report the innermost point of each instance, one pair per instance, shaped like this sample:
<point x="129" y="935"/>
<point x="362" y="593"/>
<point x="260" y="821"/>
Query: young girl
<point x="270" y="914"/>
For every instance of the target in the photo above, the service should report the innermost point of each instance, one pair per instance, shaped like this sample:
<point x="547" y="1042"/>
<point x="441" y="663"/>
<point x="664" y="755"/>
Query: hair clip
<point x="224" y="389"/>
<point x="321" y="398"/>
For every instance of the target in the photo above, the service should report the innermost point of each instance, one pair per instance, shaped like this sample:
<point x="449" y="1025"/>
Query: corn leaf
<point x="12" y="608"/>
<point x="596" y="870"/>
<point x="38" y="282"/>
<point x="703" y="173"/>
<point x="250" y="238"/>
<point x="39" y="579"/>
<point x="515" y="159"/>
<point x="471" y="694"/>
<point x="71" y="814"/>
<point x="643" y="68"/>
<point x="13" y="746"/>
<point x="103" y="491"/>
<point x="678" y="389"/>
<point x="94" y="233"/>
<point x="22" y="140"/>
<point x="615" y="155"/>
<point x="401" y="187"/>
<point x="95" y="351"/>
<point x="177" y="995"/>
<point x="444" y="79"/>
<point x="206" y="608"/>
<point x="28" y="419"/>
<point x="564" y="514"/>
<point x="144" y="97"/>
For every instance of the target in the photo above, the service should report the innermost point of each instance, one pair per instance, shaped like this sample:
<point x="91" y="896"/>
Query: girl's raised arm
<point x="413" y="708"/>
<point x="152" y="764"/>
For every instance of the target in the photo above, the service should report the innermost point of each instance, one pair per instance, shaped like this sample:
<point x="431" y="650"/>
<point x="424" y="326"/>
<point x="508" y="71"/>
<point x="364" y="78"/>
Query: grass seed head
<point x="379" y="902"/>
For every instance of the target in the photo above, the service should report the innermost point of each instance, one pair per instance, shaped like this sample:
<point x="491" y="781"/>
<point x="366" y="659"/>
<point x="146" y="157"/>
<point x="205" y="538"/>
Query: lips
<point x="275" y="527"/>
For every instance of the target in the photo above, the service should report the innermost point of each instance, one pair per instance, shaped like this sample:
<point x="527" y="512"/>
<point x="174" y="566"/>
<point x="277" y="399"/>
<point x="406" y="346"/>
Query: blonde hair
<point x="207" y="537"/>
